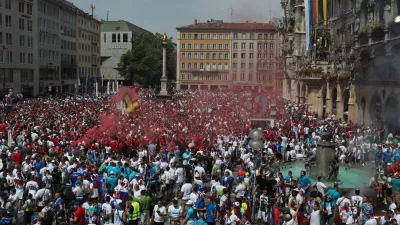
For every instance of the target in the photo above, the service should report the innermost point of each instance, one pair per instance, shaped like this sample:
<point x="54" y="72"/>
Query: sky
<point x="165" y="15"/>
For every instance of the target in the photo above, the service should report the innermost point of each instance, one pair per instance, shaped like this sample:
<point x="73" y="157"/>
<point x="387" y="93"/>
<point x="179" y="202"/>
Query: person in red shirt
<point x="17" y="157"/>
<point x="79" y="215"/>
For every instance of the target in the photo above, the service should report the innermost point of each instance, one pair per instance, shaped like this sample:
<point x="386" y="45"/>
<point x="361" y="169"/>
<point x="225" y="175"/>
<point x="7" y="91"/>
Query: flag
<point x="127" y="100"/>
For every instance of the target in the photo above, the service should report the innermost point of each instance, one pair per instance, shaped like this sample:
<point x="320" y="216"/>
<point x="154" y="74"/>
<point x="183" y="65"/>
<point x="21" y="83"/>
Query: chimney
<point x="195" y="21"/>
<point x="247" y="21"/>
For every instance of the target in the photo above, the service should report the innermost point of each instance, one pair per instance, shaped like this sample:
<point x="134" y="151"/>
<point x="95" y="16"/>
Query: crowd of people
<point x="186" y="160"/>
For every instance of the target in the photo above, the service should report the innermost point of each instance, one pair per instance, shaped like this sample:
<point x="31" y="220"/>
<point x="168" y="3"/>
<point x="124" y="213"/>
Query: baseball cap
<point x="33" y="218"/>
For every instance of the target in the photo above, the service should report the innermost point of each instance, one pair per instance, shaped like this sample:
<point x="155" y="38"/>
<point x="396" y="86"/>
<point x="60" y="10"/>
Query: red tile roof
<point x="229" y="26"/>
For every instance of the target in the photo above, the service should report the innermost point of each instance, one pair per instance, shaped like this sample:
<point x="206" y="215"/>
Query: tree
<point x="143" y="63"/>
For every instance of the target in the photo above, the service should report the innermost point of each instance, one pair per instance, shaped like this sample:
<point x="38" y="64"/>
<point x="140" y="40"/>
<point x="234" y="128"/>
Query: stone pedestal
<point x="324" y="156"/>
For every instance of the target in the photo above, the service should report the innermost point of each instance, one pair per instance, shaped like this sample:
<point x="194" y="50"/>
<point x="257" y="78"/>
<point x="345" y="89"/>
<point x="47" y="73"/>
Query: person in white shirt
<point x="32" y="186"/>
<point x="371" y="220"/>
<point x="159" y="213"/>
<point x="240" y="190"/>
<point x="175" y="211"/>
<point x="342" y="200"/>
<point x="106" y="207"/>
<point x="321" y="186"/>
<point x="356" y="200"/>
<point x="186" y="190"/>
<point x="315" y="215"/>
<point x="354" y="218"/>
<point x="230" y="219"/>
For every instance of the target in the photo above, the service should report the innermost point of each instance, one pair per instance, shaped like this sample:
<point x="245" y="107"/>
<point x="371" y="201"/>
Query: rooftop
<point x="220" y="25"/>
<point x="121" y="25"/>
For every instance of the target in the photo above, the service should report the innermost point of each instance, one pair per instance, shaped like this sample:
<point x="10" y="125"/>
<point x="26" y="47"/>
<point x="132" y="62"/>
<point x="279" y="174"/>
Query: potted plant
<point x="362" y="32"/>
<point x="377" y="32"/>
<point x="290" y="28"/>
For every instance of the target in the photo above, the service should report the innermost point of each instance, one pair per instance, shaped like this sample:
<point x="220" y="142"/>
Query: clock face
<point x="397" y="19"/>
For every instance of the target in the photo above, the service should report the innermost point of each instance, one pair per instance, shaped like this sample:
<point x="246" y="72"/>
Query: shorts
<point x="178" y="186"/>
<point x="123" y="195"/>
<point x="144" y="217"/>
<point x="19" y="193"/>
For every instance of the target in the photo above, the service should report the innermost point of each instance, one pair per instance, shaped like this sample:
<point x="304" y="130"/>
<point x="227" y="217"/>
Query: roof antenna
<point x="270" y="13"/>
<point x="232" y="14"/>
<point x="92" y="6"/>
<point x="108" y="13"/>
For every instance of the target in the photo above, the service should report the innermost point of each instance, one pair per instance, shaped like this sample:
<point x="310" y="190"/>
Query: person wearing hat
<point x="34" y="220"/>
<point x="79" y="214"/>
<point x="175" y="212"/>
<point x="191" y="217"/>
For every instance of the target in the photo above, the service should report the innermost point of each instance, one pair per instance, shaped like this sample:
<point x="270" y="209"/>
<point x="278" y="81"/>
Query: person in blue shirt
<point x="333" y="194"/>
<point x="211" y="213"/>
<point x="379" y="156"/>
<point x="396" y="155"/>
<point x="59" y="205"/>
<point x="200" y="204"/>
<point x="112" y="180"/>
<point x="304" y="180"/>
<point x="74" y="177"/>
<point x="191" y="213"/>
<point x="387" y="156"/>
<point x="200" y="221"/>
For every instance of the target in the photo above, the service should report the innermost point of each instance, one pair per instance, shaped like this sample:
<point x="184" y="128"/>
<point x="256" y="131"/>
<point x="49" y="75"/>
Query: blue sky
<point x="165" y="15"/>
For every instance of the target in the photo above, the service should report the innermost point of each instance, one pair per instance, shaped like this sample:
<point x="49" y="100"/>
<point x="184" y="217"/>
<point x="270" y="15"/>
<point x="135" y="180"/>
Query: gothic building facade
<point x="343" y="57"/>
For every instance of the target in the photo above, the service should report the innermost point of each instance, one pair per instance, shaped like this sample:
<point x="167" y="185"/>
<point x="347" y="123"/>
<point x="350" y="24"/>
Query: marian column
<point x="163" y="91"/>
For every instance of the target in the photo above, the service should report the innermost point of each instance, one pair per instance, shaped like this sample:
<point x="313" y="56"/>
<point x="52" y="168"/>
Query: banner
<point x="127" y="100"/>
<point x="325" y="11"/>
<point x="307" y="14"/>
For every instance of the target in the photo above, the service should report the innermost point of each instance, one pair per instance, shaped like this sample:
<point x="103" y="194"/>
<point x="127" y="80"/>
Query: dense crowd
<point x="186" y="160"/>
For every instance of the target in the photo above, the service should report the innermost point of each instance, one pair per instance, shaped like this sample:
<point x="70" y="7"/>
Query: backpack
<point x="48" y="217"/>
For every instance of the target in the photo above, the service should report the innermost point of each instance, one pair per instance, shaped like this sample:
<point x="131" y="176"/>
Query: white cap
<point x="190" y="202"/>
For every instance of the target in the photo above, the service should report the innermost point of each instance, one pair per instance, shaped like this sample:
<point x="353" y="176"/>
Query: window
<point x="250" y="77"/>
<point x="251" y="36"/>
<point x="265" y="46"/>
<point x="214" y="56"/>
<point x="243" y="45"/>
<point x="8" y="39"/>
<point x="265" y="36"/>
<point x="104" y="38"/>
<point x="22" y="57"/>
<point x="208" y="46"/>
<point x="183" y="36"/>
<point x="207" y="55"/>
<point x="243" y="36"/>
<point x="234" y="65"/>
<point x="259" y="36"/>
<point x="251" y="46"/>
<point x="125" y="37"/>
<point x="235" y="45"/>
<point x="265" y="56"/>
<point x="220" y="56"/>
<point x="242" y="66"/>
<point x="195" y="66"/>
<point x="220" y="76"/>
<point x="196" y="46"/>
<point x="189" y="36"/>
<point x="183" y="65"/>
<point x="189" y="66"/>
<point x="183" y="76"/>
<point x="271" y="46"/>
<point x="271" y="56"/>
<point x="214" y="66"/>
<point x="30" y="58"/>
<point x="201" y="46"/>
<point x="201" y="66"/>
<point x="196" y="55"/>
<point x="183" y="46"/>
<point x="242" y="77"/>
<point x="201" y="55"/>
<point x="1" y="38"/>
<point x="208" y="36"/>
<point x="219" y="36"/>
<point x="219" y="66"/>
<point x="259" y="46"/>
<point x="243" y="55"/>
<point x="22" y="41"/>
<point x="214" y="36"/>
<point x="29" y="25"/>
<point x="9" y="57"/>
<point x="1" y="18"/>
<point x="119" y="37"/>
<point x="208" y="66"/>
<point x="21" y="7"/>
<point x="234" y="77"/>
<point x="259" y="56"/>
<point x="234" y="55"/>
<point x="8" y="21"/>
<point x="8" y="4"/>
<point x="251" y="56"/>
<point x="251" y="65"/>
<point x="265" y="66"/>
<point x="220" y="46"/>
<point x="271" y="36"/>
<point x="214" y="46"/>
<point x="29" y="9"/>
<point x="226" y="67"/>
<point x="235" y="36"/>
<point x="114" y="38"/>
<point x="226" y="36"/>
<point x="201" y="36"/>
<point x="226" y="46"/>
<point x="1" y="54"/>
<point x="183" y="55"/>
<point x="189" y="46"/>
<point x="226" y="56"/>
<point x="189" y="55"/>
<point x="258" y="77"/>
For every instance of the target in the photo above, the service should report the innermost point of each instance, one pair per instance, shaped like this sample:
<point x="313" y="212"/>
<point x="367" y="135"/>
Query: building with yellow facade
<point x="217" y="55"/>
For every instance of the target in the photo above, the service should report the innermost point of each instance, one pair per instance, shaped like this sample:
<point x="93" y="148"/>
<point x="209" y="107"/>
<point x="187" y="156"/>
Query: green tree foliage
<point x="143" y="63"/>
